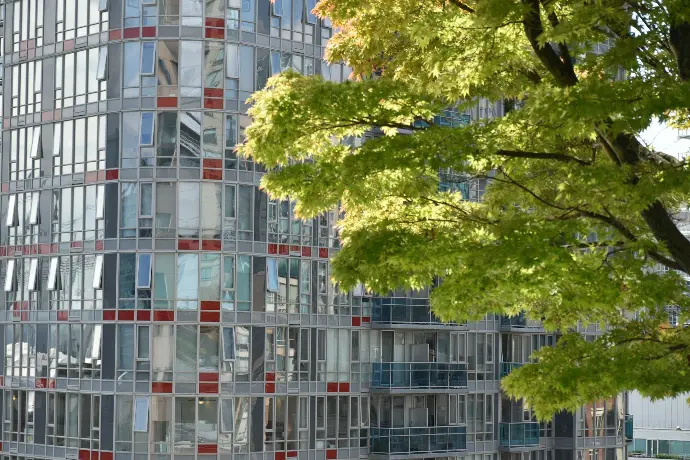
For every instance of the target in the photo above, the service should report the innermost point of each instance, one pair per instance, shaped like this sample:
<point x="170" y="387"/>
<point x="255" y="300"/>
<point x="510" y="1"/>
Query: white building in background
<point x="661" y="427"/>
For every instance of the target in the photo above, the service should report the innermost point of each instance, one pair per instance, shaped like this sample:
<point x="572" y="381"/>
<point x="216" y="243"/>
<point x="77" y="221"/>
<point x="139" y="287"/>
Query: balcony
<point x="507" y="368"/>
<point x="519" y="322"/>
<point x="418" y="375"/>
<point x="407" y="441"/>
<point x="519" y="434"/>
<point x="628" y="428"/>
<point x="400" y="310"/>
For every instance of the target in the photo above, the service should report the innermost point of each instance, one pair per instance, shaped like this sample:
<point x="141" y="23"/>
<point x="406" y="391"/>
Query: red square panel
<point x="215" y="93"/>
<point x="62" y="315"/>
<point x="115" y="34"/>
<point x="323" y="253"/>
<point x="143" y="315"/>
<point x="332" y="387"/>
<point x="283" y="249"/>
<point x="164" y="315"/>
<point x="211" y="245"/>
<point x="106" y="456"/>
<point x="41" y="383"/>
<point x="306" y="251"/>
<point x="270" y="376"/>
<point x="210" y="317"/>
<point x="148" y="31"/>
<point x="84" y="454"/>
<point x="210" y="305"/>
<point x="131" y="32"/>
<point x="366" y="319"/>
<point x="188" y="245"/>
<point x="331" y="454"/>
<point x="356" y="321"/>
<point x="210" y="103"/>
<point x="112" y="174"/>
<point x="99" y="245"/>
<point x="292" y="453"/>
<point x="344" y="387"/>
<point x="215" y="22"/>
<point x="207" y="448"/>
<point x="109" y="315"/>
<point x="295" y="249"/>
<point x="272" y="248"/>
<point x="167" y="102"/>
<point x="280" y="456"/>
<point x="215" y="33"/>
<point x="213" y="174"/>
<point x="161" y="387"/>
<point x="208" y="376"/>
<point x="94" y="455"/>
<point x="207" y="388"/>
<point x="125" y="315"/>
<point x="270" y="388"/>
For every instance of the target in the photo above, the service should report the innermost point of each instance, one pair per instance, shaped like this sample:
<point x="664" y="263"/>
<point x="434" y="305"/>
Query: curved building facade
<point x="157" y="305"/>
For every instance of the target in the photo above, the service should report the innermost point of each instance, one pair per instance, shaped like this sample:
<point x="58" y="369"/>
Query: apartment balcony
<point x="421" y="440"/>
<point x="628" y="428"/>
<point x="519" y="323"/>
<point x="417" y="376"/>
<point x="405" y="312"/>
<point x="521" y="434"/>
<point x="507" y="368"/>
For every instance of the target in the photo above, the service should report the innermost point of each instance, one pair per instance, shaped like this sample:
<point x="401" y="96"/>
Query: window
<point x="78" y="18"/>
<point x="144" y="271"/>
<point x="232" y="66"/>
<point x="36" y="144"/>
<point x="228" y="344"/>
<point x="102" y="69"/>
<point x="33" y="275"/>
<point x="226" y="415"/>
<point x="148" y="58"/>
<point x="98" y="272"/>
<point x="9" y="276"/>
<point x="141" y="414"/>
<point x="53" y="278"/>
<point x="272" y="283"/>
<point x="11" y="220"/>
<point x="76" y="81"/>
<point x="147" y="128"/>
<point x="33" y="215"/>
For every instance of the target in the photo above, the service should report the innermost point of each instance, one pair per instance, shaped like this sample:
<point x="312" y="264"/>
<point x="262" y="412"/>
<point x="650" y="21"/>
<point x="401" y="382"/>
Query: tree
<point x="563" y="167"/>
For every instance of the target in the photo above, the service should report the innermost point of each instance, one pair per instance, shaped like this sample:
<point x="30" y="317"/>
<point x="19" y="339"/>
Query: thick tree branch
<point x="561" y="71"/>
<point x="680" y="45"/>
<point x="562" y="46"/>
<point x="462" y="6"/>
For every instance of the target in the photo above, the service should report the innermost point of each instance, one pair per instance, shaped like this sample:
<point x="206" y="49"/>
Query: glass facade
<point x="157" y="305"/>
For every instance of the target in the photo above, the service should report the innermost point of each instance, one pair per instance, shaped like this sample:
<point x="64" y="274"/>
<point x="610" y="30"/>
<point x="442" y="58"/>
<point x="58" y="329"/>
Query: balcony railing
<point x="519" y="321"/>
<point x="391" y="310"/>
<point x="629" y="428"/>
<point x="519" y="434"/>
<point x="507" y="368"/>
<point x="418" y="375"/>
<point x="401" y="441"/>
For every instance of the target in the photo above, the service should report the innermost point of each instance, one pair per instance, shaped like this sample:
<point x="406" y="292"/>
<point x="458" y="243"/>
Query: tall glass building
<point x="157" y="305"/>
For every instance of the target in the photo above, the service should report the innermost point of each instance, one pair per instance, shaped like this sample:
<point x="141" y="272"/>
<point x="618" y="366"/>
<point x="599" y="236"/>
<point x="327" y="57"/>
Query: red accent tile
<point x="208" y="376"/>
<point x="143" y="315"/>
<point x="292" y="453"/>
<point x="99" y="245"/>
<point x="208" y="388"/>
<point x="106" y="455"/>
<point x="109" y="315"/>
<point x="210" y="103"/>
<point x="295" y="249"/>
<point x="76" y="245"/>
<point x="170" y="102"/>
<point x="215" y="33"/>
<point x="188" y="245"/>
<point x="131" y="32"/>
<point x="91" y="176"/>
<point x="270" y="388"/>
<point x="306" y="251"/>
<point x="215" y="163"/>
<point x="283" y="249"/>
<point x="84" y="454"/>
<point x="164" y="315"/>
<point x="215" y="22"/>
<point x="207" y="448"/>
<point x="115" y="34"/>
<point x="332" y="387"/>
<point x="41" y="383"/>
<point x="54" y="248"/>
<point x="2" y="380"/>
<point x="161" y="387"/>
<point x="213" y="174"/>
<point x="279" y="456"/>
<point x="210" y="317"/>
<point x="112" y="174"/>
<point x="323" y="253"/>
<point x="3" y="251"/>
<point x="272" y="248"/>
<point x="210" y="305"/>
<point x="62" y="315"/>
<point x="94" y="455"/>
<point x="125" y="315"/>
<point x="213" y="92"/>
<point x="149" y="31"/>
<point x="270" y="376"/>
<point x="51" y="383"/>
<point x="344" y="387"/>
<point x="356" y="321"/>
<point x="47" y="116"/>
<point x="68" y="45"/>
<point x="331" y="454"/>
<point x="57" y="114"/>
<point x="211" y="245"/>
<point x="366" y="319"/>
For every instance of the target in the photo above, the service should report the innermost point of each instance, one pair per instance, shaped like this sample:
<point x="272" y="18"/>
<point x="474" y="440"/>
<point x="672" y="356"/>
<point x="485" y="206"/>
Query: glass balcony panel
<point x="629" y="427"/>
<point x="419" y="375"/>
<point x="519" y="321"/>
<point x="396" y="441"/>
<point x="507" y="368"/>
<point x="401" y="310"/>
<point x="519" y="434"/>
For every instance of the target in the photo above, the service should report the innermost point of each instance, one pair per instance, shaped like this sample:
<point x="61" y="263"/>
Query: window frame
<point x="153" y="58"/>
<point x="53" y="283"/>
<point x="102" y="68"/>
<point x="32" y="285"/>
<point x="97" y="282"/>
<point x="144" y="256"/>
<point x="10" y="275"/>
<point x="36" y="150"/>
<point x="141" y="403"/>
<point x="152" y="124"/>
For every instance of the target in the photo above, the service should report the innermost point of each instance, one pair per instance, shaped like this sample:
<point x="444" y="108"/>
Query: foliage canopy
<point x="566" y="164"/>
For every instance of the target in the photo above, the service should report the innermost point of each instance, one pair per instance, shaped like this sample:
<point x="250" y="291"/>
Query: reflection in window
<point x="26" y="88"/>
<point x="190" y="139"/>
<point x="166" y="138"/>
<point x="187" y="281"/>
<point x="214" y="55"/>
<point x="209" y="273"/>
<point x="188" y="219"/>
<point x="164" y="280"/>
<point x="211" y="213"/>
<point x="78" y="18"/>
<point x="209" y="348"/>
<point x="191" y="56"/>
<point x="166" y="220"/>
<point x="76" y="79"/>
<point x="27" y="24"/>
<point x="168" y="62"/>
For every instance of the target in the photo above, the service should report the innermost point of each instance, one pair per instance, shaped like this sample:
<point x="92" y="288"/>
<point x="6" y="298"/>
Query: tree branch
<point x="543" y="156"/>
<point x="680" y="45"/>
<point x="462" y="6"/>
